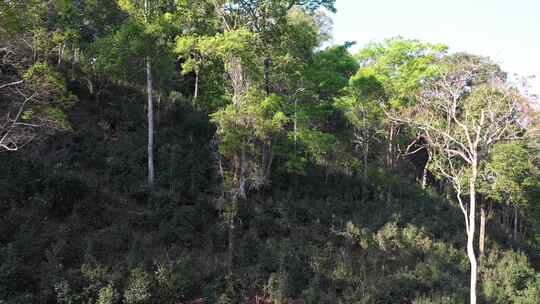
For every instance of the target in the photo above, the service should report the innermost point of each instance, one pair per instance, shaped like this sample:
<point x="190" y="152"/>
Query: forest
<point x="226" y="151"/>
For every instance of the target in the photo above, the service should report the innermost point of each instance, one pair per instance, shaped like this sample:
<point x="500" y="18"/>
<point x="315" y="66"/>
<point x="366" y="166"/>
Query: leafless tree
<point x="29" y="99"/>
<point x="14" y="133"/>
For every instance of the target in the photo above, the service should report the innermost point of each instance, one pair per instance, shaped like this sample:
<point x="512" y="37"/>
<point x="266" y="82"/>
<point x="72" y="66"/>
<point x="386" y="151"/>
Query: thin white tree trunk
<point x="150" y="111"/>
<point x="150" y="124"/>
<point x="470" y="233"/>
<point x="425" y="172"/>
<point x="60" y="54"/>
<point x="295" y="123"/>
<point x="196" y="90"/>
<point x="390" y="151"/>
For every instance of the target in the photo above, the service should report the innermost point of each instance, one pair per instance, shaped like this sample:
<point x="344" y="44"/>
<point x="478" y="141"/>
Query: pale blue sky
<point x="508" y="31"/>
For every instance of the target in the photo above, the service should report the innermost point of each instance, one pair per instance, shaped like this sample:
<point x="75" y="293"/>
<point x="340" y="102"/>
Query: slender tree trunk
<point x="509" y="219"/>
<point x="76" y="55"/>
<point x="390" y="152"/>
<point x="424" y="177"/>
<point x="470" y="234"/>
<point x="34" y="50"/>
<point x="232" y="219"/>
<point x="365" y="171"/>
<point x="482" y="238"/>
<point x="150" y="124"/>
<point x="60" y="53"/>
<point x="150" y="110"/>
<point x="295" y="123"/>
<point x="242" y="191"/>
<point x="269" y="161"/>
<point x="425" y="172"/>
<point x="267" y="62"/>
<point x="157" y="119"/>
<point x="238" y="79"/>
<point x="196" y="90"/>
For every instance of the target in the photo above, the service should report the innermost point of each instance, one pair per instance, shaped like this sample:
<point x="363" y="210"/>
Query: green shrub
<point x="96" y="276"/>
<point x="107" y="295"/>
<point x="276" y="288"/>
<point x="64" y="293"/>
<point x="138" y="288"/>
<point x="509" y="278"/>
<point x="175" y="279"/>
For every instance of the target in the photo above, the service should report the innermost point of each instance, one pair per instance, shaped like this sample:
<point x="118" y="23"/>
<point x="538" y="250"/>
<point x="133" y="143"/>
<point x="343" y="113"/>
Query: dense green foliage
<point x="286" y="172"/>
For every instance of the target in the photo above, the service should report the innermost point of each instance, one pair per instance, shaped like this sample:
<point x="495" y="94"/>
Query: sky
<point x="507" y="31"/>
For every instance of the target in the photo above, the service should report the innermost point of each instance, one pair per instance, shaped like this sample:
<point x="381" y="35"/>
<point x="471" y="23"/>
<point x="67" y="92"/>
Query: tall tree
<point x="462" y="112"/>
<point x="249" y="32"/>
<point x="360" y="104"/>
<point x="150" y="109"/>
<point x="143" y="41"/>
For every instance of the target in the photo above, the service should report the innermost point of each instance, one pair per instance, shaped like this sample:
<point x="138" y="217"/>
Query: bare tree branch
<point x="11" y="84"/>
